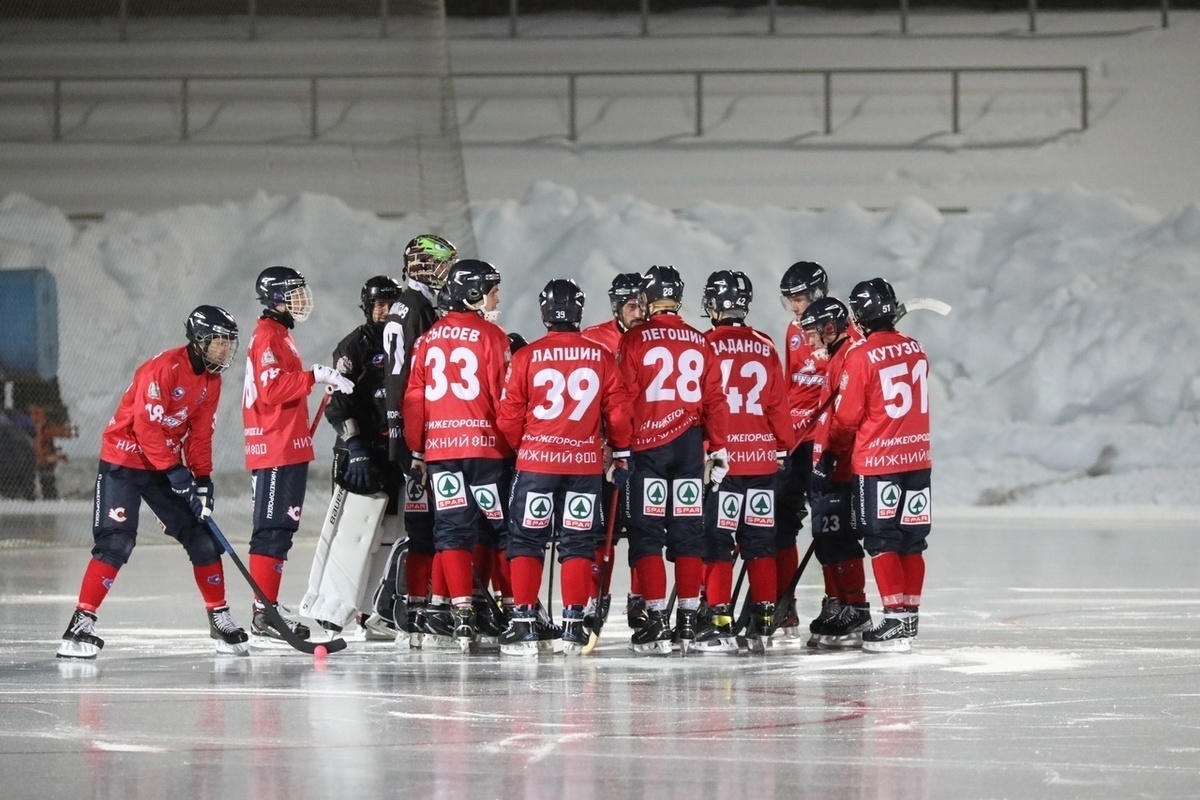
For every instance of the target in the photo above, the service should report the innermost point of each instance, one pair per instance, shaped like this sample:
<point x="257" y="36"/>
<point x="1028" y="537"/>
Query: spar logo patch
<point x="729" y="510"/>
<point x="887" y="500"/>
<point x="578" y="510"/>
<point x="416" y="497"/>
<point x="687" y="498"/>
<point x="449" y="491"/>
<point x="916" y="508"/>
<point x="539" y="508"/>
<point x="760" y="508"/>
<point x="487" y="497"/>
<point x="654" y="497"/>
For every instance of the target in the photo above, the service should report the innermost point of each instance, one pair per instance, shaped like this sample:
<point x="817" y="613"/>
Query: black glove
<point x="206" y="497"/>
<point x="357" y="477"/>
<point x="184" y="487"/>
<point x="822" y="474"/>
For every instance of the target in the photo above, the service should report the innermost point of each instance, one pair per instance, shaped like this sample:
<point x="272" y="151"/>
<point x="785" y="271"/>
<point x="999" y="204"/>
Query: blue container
<point x="29" y="322"/>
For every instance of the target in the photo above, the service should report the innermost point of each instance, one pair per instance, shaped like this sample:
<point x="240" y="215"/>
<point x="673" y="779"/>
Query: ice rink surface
<point x="1057" y="658"/>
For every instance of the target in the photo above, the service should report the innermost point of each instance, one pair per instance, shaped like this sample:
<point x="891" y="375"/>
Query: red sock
<point x="763" y="575"/>
<point x="787" y="559"/>
<point x="718" y="582"/>
<point x="483" y="559"/>
<point x="889" y="577"/>
<point x="459" y="580"/>
<point x="501" y="576"/>
<point x="211" y="580"/>
<point x="437" y="580"/>
<point x="526" y="579"/>
<point x="914" y="577"/>
<point x="267" y="573"/>
<point x="418" y="569"/>
<point x="829" y="573"/>
<point x="851" y="581"/>
<point x="576" y="581"/>
<point x="653" y="575"/>
<point x="689" y="570"/>
<point x="635" y="582"/>
<point x="97" y="580"/>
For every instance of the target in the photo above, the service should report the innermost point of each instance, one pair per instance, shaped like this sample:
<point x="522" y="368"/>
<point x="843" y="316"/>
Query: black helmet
<point x="428" y="258"/>
<point x="662" y="283"/>
<point x="205" y="324"/>
<point x="469" y="282"/>
<point x="828" y="316"/>
<point x="561" y="302"/>
<point x="381" y="287"/>
<point x="515" y="342"/>
<point x="624" y="286"/>
<point x="804" y="278"/>
<point x="284" y="285"/>
<point x="727" y="292"/>
<point x="874" y="304"/>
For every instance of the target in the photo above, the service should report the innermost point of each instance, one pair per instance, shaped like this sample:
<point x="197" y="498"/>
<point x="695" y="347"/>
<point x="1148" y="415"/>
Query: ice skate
<point x="889" y="636"/>
<point x="376" y="628"/>
<point x="574" y="630"/>
<point x="653" y="638"/>
<point x="789" y="630"/>
<point x="80" y="639"/>
<point x="716" y="635"/>
<point x="489" y="624"/>
<point x="412" y="631"/>
<point x="910" y="622"/>
<point x="464" y="627"/>
<point x="549" y="635"/>
<point x="830" y="606"/>
<point x="684" y="634"/>
<point x="846" y="629"/>
<point x="231" y="638"/>
<point x="520" y="638"/>
<point x="266" y="633"/>
<point x="439" y="628"/>
<point x="635" y="611"/>
<point x="758" y="629"/>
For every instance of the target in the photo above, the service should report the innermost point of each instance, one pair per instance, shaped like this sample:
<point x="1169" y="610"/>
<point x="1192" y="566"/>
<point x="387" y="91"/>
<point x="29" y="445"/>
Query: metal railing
<point x="572" y="79"/>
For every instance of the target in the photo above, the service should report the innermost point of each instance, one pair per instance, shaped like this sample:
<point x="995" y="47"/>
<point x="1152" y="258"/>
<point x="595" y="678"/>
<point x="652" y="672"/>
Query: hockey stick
<point x="781" y="604"/>
<point x="922" y="304"/>
<point x="312" y="431"/>
<point x="550" y="589"/>
<point x="743" y="617"/>
<point x="605" y="575"/>
<point x="272" y="613"/>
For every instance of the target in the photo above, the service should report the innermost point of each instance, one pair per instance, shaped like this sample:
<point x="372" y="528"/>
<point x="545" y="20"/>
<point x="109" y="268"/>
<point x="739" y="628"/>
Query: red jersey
<point x="275" y="399"/>
<point x="756" y="396"/>
<point x="606" y="334"/>
<point x="883" y="398"/>
<point x="454" y="387"/>
<point x="806" y="379"/>
<point x="822" y="428"/>
<point x="167" y="409"/>
<point x="557" y="391"/>
<point x="666" y="366"/>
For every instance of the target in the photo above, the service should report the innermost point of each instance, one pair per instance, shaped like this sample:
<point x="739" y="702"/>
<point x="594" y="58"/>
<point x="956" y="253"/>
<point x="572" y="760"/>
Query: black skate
<point x="846" y="629"/>
<point x="439" y="627"/>
<point x="910" y="622"/>
<point x="716" y="635"/>
<point x="758" y="628"/>
<point x="231" y="639"/>
<point x="520" y="638"/>
<point x="574" y="630"/>
<point x="489" y="624"/>
<point x="684" y="634"/>
<point x="549" y="634"/>
<point x="789" y="630"/>
<point x="261" y="626"/>
<point x="596" y="609"/>
<point x="464" y="627"/>
<point x="80" y="639"/>
<point x="830" y="606"/>
<point x="653" y="638"/>
<point x="635" y="611"/>
<point x="889" y="636"/>
<point x="410" y="633"/>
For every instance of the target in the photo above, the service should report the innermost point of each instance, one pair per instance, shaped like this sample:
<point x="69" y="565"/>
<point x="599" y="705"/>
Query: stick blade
<point x="926" y="304"/>
<point x="593" y="640"/>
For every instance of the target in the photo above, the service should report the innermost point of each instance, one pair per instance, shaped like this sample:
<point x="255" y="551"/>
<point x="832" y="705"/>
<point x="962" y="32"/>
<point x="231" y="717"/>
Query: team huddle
<point x="464" y="455"/>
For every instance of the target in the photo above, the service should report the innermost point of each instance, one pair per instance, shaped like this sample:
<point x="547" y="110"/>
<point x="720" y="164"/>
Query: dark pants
<point x="794" y="484"/>
<point x="834" y="536"/>
<point x="278" y="503"/>
<point x="664" y="500"/>
<point x="892" y="512"/>
<point x="117" y="503"/>
<point x="468" y="502"/>
<point x="542" y="504"/>
<point x="743" y="506"/>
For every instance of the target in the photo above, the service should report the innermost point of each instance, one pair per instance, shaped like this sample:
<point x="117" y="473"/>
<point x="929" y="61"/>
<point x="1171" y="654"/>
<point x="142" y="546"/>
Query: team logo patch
<point x="213" y="580"/>
<point x="578" y="511"/>
<point x="377" y="360"/>
<point x="760" y="508"/>
<point x="654" y="497"/>
<point x="687" y="498"/>
<point x="294" y="513"/>
<point x="887" y="500"/>
<point x="539" y="507"/>
<point x="267" y="358"/>
<point x="117" y="514"/>
<point x="416" y="497"/>
<point x="177" y="392"/>
<point x="107" y="582"/>
<point x="729" y="510"/>
<point x="916" y="508"/>
<point x="795" y="342"/>
<point x="153" y="392"/>
<point x="449" y="491"/>
<point x="487" y="497"/>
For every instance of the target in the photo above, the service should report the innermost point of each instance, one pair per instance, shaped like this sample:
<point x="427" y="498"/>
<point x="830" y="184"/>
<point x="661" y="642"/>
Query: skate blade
<point x="434" y="641"/>
<point x="265" y="642"/>
<point x="757" y="644"/>
<point x="890" y="646"/>
<point x="550" y="646"/>
<point x="520" y="649"/>
<point x="725" y="644"/>
<point x="408" y="641"/>
<point x="851" y="641"/>
<point x="83" y="650"/>
<point x="652" y="649"/>
<point x="227" y="649"/>
<point x="572" y="648"/>
<point x="464" y="643"/>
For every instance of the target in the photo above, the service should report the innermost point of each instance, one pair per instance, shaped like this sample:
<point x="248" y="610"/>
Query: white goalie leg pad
<point x="348" y="560"/>
<point x="321" y="556"/>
